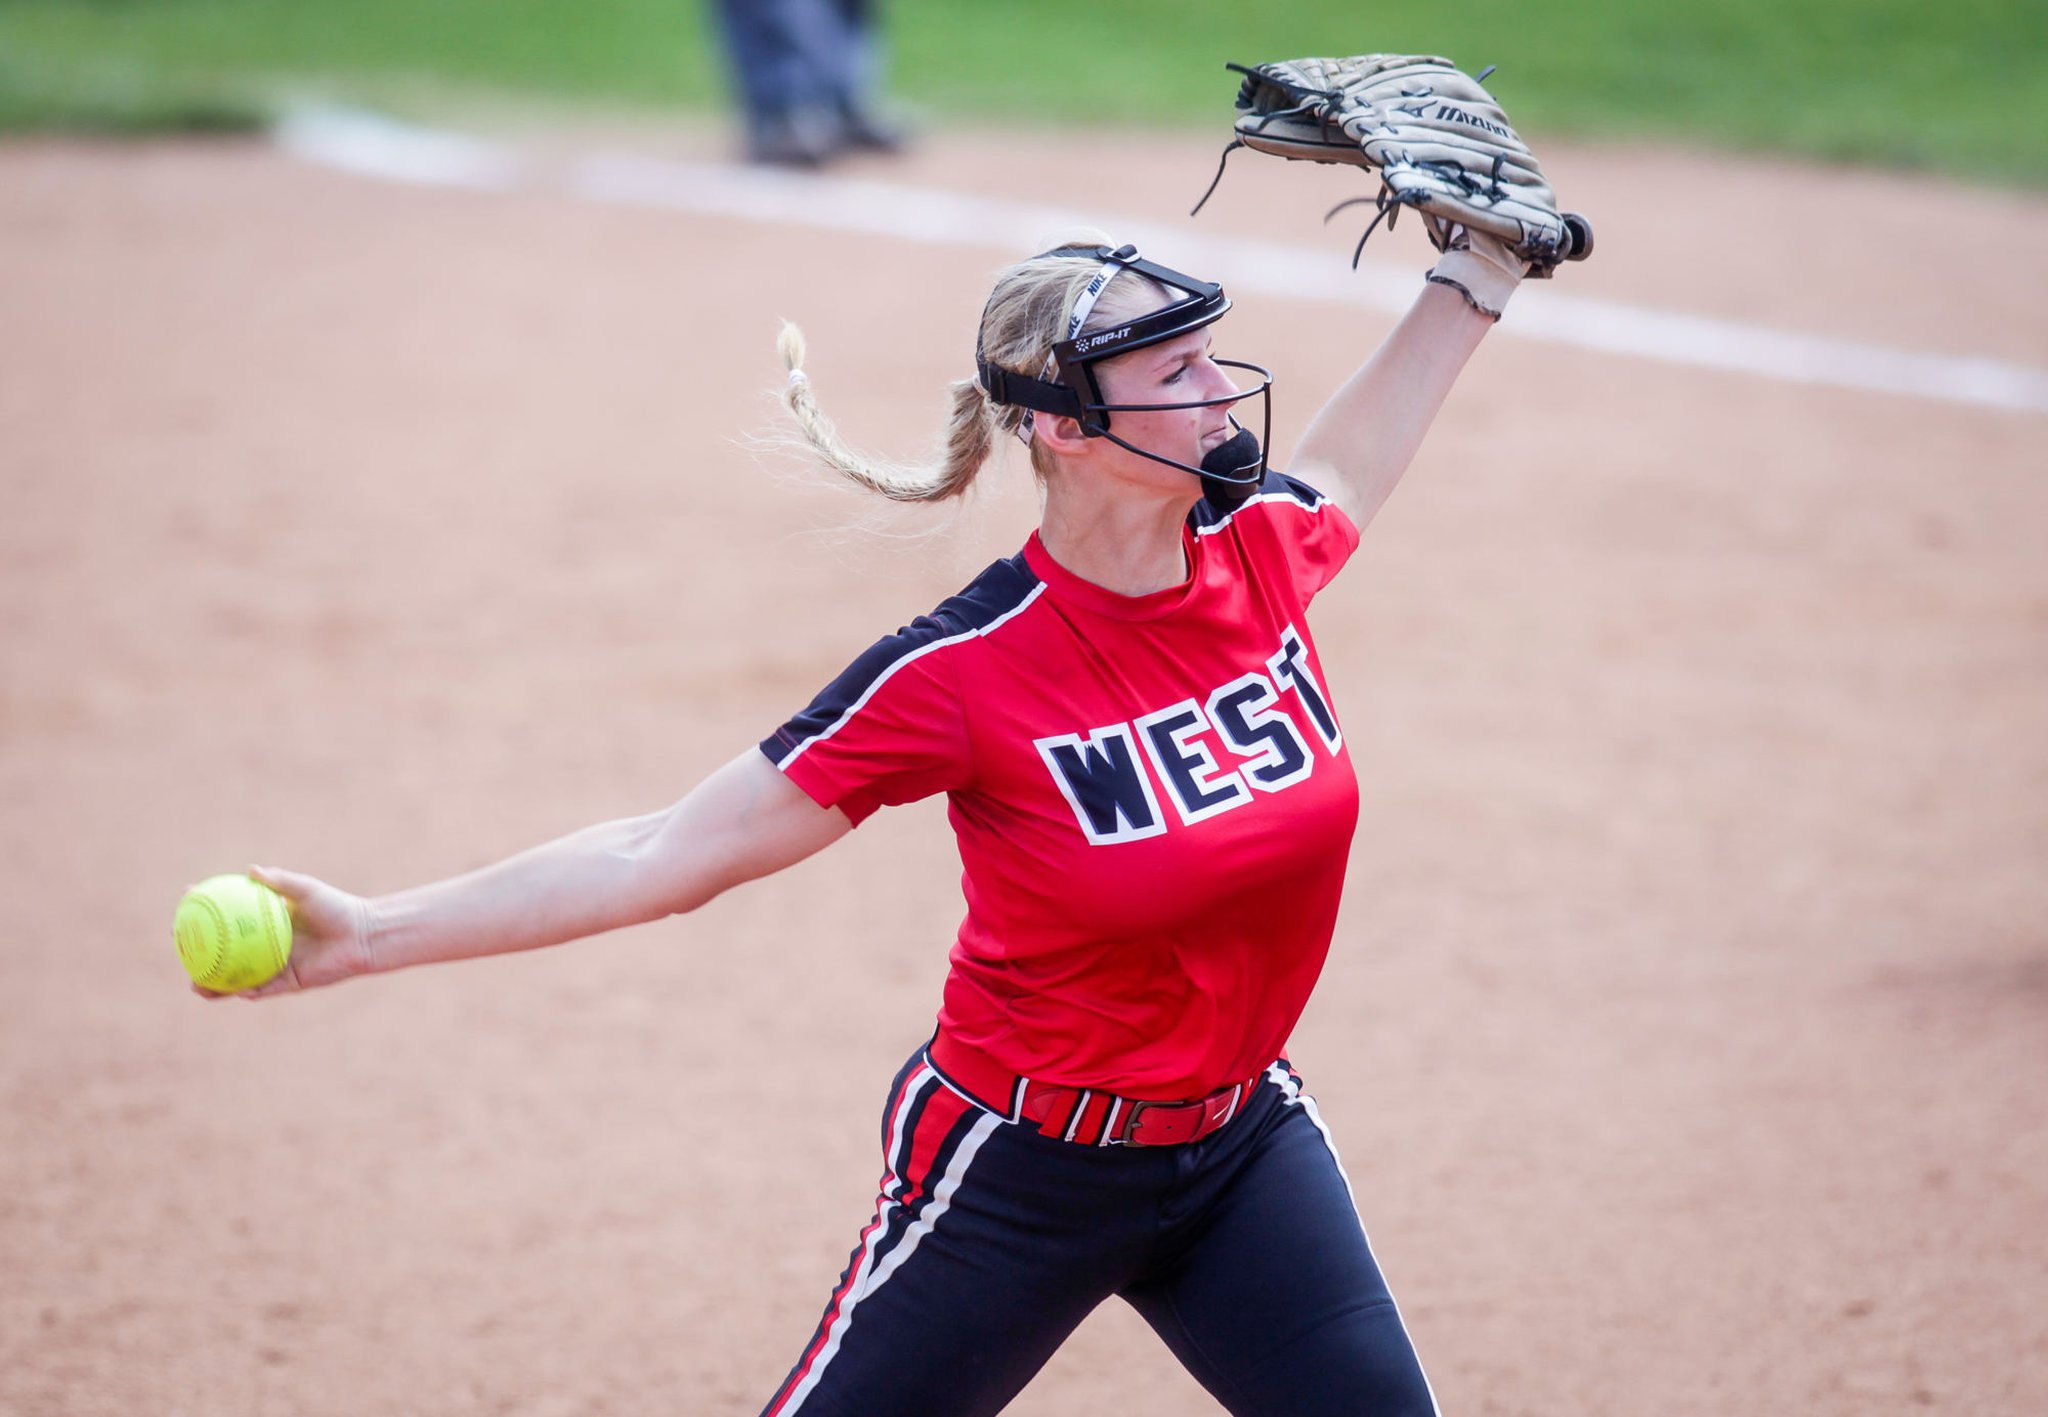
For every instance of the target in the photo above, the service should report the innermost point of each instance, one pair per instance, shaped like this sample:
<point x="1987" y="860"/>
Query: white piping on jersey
<point x="1316" y="506"/>
<point x="1291" y="1091"/>
<point x="872" y="1276"/>
<point x="880" y="679"/>
<point x="1017" y="1090"/>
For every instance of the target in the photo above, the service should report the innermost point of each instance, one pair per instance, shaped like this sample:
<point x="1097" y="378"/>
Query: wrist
<point x="1481" y="269"/>
<point x="373" y="953"/>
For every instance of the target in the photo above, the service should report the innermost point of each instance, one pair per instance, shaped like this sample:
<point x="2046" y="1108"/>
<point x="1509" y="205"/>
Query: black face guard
<point x="1228" y="471"/>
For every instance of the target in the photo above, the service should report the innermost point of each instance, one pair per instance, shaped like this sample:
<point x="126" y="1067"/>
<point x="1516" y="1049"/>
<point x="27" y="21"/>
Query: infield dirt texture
<point x="1687" y="1024"/>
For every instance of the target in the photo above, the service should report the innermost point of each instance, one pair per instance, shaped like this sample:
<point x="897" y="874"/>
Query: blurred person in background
<point x="805" y="73"/>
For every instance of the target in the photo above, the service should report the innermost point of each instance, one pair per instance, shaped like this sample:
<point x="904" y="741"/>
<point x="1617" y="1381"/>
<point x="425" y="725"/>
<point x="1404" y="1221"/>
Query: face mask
<point x="1228" y="472"/>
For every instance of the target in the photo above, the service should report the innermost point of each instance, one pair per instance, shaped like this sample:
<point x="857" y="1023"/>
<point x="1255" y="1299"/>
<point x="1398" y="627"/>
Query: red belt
<point x="1081" y="1114"/>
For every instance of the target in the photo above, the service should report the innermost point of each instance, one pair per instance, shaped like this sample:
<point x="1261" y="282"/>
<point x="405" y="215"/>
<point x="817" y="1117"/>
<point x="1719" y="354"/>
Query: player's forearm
<point x="744" y="821"/>
<point x="589" y="882"/>
<point x="1362" y="441"/>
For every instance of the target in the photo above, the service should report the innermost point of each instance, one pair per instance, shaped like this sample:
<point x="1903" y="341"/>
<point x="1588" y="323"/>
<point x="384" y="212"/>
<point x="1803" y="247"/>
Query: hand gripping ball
<point x="233" y="933"/>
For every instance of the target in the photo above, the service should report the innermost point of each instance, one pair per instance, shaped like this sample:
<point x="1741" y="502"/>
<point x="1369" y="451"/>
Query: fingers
<point x="289" y="884"/>
<point x="286" y="982"/>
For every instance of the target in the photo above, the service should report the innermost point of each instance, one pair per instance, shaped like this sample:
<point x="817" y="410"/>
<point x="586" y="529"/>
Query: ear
<point x="1061" y="435"/>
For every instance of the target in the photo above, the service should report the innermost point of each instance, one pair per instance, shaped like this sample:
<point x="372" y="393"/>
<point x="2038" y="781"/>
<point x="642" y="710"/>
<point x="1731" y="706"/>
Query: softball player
<point x="1154" y="806"/>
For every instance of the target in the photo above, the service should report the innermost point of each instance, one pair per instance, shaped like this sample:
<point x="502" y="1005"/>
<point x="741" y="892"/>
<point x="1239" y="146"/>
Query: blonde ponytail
<point x="969" y="436"/>
<point x="1026" y="315"/>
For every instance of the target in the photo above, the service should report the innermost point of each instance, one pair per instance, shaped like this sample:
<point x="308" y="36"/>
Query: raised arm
<point x="1477" y="190"/>
<point x="744" y="821"/>
<point x="1361" y="441"/>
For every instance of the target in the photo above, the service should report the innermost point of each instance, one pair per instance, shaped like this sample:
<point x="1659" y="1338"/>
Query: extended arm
<point x="1363" y="439"/>
<point x="744" y="821"/>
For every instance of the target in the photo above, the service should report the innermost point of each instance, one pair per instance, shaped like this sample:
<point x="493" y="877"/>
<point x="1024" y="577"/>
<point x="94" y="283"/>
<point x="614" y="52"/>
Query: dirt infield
<point x="1688" y="1021"/>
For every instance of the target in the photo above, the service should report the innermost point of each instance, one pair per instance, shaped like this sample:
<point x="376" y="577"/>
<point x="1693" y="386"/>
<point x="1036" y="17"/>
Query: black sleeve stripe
<point x="1004" y="590"/>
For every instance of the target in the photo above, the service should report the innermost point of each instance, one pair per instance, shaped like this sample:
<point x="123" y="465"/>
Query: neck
<point x="1125" y="544"/>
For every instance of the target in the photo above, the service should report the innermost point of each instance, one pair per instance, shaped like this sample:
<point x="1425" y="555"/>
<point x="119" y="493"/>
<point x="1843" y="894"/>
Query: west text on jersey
<point x="1102" y="771"/>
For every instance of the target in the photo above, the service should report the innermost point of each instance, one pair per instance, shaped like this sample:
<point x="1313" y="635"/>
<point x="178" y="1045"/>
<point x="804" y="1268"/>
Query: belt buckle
<point x="1127" y="1128"/>
<point x="1127" y="1131"/>
<point x="1129" y="1125"/>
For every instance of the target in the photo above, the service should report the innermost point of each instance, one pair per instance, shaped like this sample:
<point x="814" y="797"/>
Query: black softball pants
<point x="991" y="1242"/>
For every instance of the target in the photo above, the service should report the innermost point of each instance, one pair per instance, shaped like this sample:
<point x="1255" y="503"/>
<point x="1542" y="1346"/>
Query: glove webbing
<point x="1387" y="201"/>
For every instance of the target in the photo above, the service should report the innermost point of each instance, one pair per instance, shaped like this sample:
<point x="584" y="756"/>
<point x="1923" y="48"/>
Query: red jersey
<point x="1152" y="796"/>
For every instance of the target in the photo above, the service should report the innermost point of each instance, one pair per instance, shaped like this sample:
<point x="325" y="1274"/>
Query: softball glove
<point x="1435" y="138"/>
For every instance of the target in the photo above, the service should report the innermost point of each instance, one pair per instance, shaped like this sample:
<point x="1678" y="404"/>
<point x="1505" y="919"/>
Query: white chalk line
<point x="371" y="146"/>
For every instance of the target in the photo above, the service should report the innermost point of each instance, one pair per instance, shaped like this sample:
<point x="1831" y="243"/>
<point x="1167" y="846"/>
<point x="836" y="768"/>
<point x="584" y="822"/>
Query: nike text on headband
<point x="1229" y="471"/>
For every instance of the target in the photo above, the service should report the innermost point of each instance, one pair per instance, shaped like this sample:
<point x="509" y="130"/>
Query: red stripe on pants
<point x="903" y="1184"/>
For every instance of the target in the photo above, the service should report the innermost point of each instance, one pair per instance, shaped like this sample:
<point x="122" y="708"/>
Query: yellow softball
<point x="233" y="933"/>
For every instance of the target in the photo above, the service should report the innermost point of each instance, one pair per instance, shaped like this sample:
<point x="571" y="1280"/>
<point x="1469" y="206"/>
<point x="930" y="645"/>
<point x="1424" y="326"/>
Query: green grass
<point x="1959" y="86"/>
<point x="115" y="99"/>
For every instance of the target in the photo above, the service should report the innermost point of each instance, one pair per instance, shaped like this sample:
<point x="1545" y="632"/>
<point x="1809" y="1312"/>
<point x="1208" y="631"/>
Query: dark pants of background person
<point x="805" y="71"/>
<point x="991" y="1242"/>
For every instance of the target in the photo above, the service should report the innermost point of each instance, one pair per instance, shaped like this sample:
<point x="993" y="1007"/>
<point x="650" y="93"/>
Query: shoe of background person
<point x="797" y="137"/>
<point x="861" y="129"/>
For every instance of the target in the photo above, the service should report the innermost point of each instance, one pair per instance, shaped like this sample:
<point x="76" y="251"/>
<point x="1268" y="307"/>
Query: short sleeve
<point x="888" y="730"/>
<point x="1290" y="529"/>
